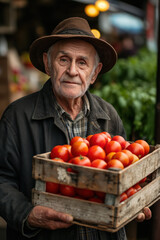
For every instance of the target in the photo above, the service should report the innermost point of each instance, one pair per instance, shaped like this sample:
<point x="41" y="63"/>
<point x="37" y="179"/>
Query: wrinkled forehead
<point x="71" y="45"/>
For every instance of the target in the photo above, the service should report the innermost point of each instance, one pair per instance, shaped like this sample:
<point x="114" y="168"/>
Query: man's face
<point x="72" y="68"/>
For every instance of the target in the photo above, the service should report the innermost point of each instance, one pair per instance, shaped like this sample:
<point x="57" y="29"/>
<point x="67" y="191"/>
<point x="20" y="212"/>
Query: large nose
<point x="72" y="68"/>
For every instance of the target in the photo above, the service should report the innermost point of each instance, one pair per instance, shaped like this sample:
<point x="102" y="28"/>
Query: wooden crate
<point x="112" y="215"/>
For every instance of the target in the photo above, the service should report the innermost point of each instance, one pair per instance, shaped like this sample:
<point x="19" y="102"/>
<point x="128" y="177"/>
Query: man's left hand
<point x="145" y="215"/>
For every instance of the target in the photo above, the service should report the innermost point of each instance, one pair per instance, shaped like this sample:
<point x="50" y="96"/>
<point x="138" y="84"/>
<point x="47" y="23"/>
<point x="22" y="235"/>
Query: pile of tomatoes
<point x="101" y="151"/>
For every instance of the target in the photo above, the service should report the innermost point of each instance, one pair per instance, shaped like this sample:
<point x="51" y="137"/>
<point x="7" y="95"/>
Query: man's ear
<point x="96" y="72"/>
<point x="45" y="61"/>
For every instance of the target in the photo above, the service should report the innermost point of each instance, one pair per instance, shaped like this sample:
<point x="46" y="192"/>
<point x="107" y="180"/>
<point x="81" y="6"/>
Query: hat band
<point x="75" y="32"/>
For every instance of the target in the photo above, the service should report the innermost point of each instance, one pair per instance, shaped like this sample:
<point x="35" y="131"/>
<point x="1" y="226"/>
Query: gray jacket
<point x="30" y="126"/>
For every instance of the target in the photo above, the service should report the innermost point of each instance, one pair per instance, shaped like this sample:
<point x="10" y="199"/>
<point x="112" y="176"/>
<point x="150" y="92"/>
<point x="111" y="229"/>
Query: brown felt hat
<point x="74" y="27"/>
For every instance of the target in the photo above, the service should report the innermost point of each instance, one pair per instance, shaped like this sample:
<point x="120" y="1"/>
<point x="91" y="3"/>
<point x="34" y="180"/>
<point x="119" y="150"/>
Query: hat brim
<point x="106" y="52"/>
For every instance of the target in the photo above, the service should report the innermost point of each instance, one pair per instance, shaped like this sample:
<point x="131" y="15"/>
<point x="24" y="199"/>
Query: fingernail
<point x="69" y="218"/>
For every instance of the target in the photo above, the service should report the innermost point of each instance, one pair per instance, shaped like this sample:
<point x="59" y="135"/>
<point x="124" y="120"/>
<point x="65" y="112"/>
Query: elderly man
<point x="63" y="108"/>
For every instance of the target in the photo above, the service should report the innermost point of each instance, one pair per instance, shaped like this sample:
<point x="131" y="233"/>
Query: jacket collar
<point x="44" y="107"/>
<point x="97" y="112"/>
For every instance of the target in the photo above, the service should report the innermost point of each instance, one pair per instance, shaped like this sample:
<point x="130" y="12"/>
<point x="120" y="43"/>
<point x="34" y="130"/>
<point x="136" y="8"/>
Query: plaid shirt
<point x="78" y="127"/>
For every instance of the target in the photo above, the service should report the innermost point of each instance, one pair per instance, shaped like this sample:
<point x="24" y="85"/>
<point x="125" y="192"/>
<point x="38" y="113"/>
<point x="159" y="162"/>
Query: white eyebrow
<point x="66" y="53"/>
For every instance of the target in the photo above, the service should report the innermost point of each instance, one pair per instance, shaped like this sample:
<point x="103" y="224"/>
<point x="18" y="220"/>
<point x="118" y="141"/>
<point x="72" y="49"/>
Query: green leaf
<point x="131" y="88"/>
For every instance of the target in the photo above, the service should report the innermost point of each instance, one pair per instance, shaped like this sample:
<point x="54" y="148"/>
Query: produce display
<point x="98" y="151"/>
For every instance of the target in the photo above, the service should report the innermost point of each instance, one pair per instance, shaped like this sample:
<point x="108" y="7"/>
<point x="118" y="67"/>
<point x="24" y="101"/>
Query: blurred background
<point x="132" y="86"/>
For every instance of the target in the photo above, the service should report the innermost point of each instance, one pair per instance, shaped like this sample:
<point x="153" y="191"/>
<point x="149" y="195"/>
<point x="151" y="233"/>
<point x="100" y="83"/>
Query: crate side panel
<point x="130" y="208"/>
<point x="85" y="177"/>
<point x="142" y="168"/>
<point x="83" y="211"/>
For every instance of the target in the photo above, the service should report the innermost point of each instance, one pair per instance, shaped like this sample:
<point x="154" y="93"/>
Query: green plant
<point x="131" y="88"/>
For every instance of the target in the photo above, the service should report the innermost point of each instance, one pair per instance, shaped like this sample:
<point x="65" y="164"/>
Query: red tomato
<point x="99" y="163"/>
<point x="85" y="193"/>
<point x="131" y="191"/>
<point x="69" y="149"/>
<point x="78" y="197"/>
<point x="109" y="156"/>
<point x="60" y="151"/>
<point x="107" y="134"/>
<point x="52" y="187"/>
<point x="67" y="190"/>
<point x="81" y="160"/>
<point x="70" y="169"/>
<point x="137" y="187"/>
<point x="135" y="158"/>
<point x="126" y="144"/>
<point x="120" y="139"/>
<point x="143" y="180"/>
<point x="76" y="139"/>
<point x="79" y="148"/>
<point x="96" y="152"/>
<point x="123" y="197"/>
<point x="96" y="199"/>
<point x="115" y="163"/>
<point x="98" y="139"/>
<point x="129" y="154"/>
<point x="121" y="156"/>
<point x="88" y="137"/>
<point x="145" y="145"/>
<point x="101" y="195"/>
<point x="86" y="141"/>
<point x="113" y="146"/>
<point x="108" y="139"/>
<point x="136" y="149"/>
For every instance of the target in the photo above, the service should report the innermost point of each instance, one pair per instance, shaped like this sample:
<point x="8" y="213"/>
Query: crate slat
<point x="80" y="209"/>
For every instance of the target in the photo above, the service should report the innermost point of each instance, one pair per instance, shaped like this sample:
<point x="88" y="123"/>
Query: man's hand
<point x="145" y="215"/>
<point x="44" y="217"/>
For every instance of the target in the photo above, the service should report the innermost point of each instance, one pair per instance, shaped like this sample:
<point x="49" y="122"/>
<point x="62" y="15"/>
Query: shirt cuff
<point x="27" y="230"/>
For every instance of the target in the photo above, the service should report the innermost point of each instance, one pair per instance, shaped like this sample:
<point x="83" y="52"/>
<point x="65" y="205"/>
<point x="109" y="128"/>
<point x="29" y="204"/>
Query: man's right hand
<point x="44" y="217"/>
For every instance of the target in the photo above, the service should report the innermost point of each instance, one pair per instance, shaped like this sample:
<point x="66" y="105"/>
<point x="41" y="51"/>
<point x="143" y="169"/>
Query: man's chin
<point x="72" y="93"/>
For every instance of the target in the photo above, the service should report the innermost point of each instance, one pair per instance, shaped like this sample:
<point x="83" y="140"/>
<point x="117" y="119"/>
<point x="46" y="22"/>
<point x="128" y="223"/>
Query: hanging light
<point x="96" y="33"/>
<point x="102" y="5"/>
<point x="91" y="10"/>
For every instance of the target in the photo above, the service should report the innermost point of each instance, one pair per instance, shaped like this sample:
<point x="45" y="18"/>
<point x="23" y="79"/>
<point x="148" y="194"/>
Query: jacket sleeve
<point x="14" y="205"/>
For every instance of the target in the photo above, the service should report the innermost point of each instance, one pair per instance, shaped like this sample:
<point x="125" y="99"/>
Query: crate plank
<point x="82" y="210"/>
